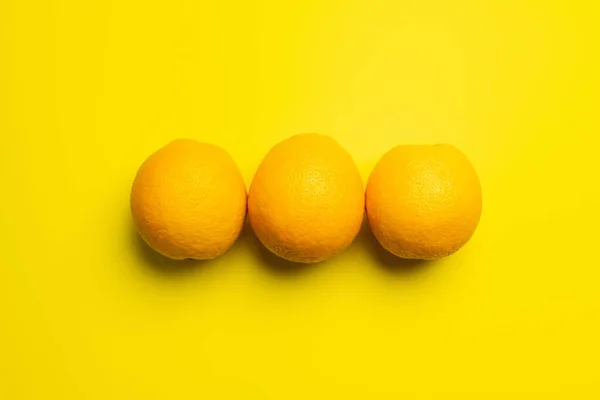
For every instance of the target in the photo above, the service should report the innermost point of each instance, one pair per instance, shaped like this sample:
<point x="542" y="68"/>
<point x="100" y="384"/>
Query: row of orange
<point x="307" y="201"/>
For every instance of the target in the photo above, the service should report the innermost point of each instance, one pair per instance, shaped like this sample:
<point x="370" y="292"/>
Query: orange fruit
<point x="423" y="202"/>
<point x="188" y="200"/>
<point x="306" y="201"/>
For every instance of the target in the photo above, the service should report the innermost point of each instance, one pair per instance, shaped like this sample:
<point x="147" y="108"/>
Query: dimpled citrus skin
<point x="423" y="202"/>
<point x="188" y="200"/>
<point x="306" y="200"/>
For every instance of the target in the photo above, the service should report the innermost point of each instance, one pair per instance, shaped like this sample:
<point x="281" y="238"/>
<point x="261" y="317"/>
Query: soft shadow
<point x="161" y="265"/>
<point x="389" y="262"/>
<point x="273" y="264"/>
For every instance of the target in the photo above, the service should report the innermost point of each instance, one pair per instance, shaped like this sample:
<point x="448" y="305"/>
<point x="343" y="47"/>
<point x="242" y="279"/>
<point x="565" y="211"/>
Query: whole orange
<point x="188" y="200"/>
<point x="306" y="201"/>
<point x="423" y="202"/>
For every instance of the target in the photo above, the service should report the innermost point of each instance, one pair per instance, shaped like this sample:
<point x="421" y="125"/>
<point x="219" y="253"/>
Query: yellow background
<point x="88" y="89"/>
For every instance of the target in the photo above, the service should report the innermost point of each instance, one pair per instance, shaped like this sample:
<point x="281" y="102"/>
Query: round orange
<point x="188" y="200"/>
<point x="306" y="201"/>
<point x="423" y="202"/>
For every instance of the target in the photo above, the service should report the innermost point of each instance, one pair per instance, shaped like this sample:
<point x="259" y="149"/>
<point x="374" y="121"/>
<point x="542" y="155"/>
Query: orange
<point x="423" y="202"/>
<point x="188" y="200"/>
<point x="306" y="201"/>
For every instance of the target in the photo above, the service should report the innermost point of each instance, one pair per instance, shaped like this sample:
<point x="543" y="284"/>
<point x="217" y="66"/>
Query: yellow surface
<point x="89" y="89"/>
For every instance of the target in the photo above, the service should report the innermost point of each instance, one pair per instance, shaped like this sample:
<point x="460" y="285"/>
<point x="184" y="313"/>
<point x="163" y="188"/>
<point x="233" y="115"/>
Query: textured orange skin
<point x="188" y="200"/>
<point x="423" y="202"/>
<point x="306" y="201"/>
